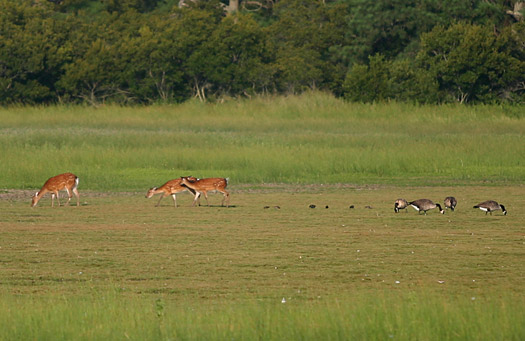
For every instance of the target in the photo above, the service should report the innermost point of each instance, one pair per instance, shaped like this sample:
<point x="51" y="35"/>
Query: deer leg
<point x="174" y="199"/>
<point x="158" y="203"/>
<point x="192" y="191"/>
<point x="58" y="198"/>
<point x="75" y="191"/>
<point x="69" y="196"/>
<point x="197" y="195"/>
<point x="206" y="197"/>
<point x="226" y="197"/>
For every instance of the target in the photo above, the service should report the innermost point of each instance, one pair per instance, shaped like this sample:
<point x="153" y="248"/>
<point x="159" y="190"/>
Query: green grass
<point x="308" y="139"/>
<point x="119" y="268"/>
<point x="221" y="273"/>
<point x="410" y="316"/>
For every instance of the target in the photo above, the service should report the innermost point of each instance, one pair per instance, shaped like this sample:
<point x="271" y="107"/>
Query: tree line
<point x="162" y="51"/>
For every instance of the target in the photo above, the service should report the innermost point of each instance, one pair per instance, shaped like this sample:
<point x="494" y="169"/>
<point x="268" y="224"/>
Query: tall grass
<point x="313" y="138"/>
<point x="384" y="316"/>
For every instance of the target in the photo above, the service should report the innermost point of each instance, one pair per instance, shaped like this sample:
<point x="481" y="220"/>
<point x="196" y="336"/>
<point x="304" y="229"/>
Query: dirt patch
<point x="21" y="194"/>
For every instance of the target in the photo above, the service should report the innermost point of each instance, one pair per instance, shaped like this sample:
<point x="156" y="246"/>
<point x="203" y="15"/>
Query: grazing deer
<point x="67" y="181"/>
<point x="171" y="187"/>
<point x="209" y="184"/>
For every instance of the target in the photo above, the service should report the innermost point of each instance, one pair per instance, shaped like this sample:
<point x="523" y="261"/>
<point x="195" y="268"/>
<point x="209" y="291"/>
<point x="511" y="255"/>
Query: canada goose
<point x="425" y="205"/>
<point x="400" y="204"/>
<point x="489" y="206"/>
<point x="450" y="202"/>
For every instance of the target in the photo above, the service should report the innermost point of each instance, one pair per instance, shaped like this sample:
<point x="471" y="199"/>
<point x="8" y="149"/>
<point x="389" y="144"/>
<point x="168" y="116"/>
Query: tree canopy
<point x="148" y="51"/>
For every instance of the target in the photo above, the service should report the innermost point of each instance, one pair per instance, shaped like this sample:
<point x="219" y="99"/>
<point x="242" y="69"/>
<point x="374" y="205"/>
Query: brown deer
<point x="209" y="184"/>
<point x="171" y="187"/>
<point x="67" y="181"/>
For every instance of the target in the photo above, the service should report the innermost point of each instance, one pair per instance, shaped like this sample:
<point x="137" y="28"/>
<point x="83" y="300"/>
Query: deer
<point x="209" y="184"/>
<point x="171" y="187"/>
<point x="67" y="181"/>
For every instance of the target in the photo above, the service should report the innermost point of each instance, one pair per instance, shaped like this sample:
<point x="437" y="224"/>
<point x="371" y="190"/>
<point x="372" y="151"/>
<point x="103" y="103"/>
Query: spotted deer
<point x="202" y="186"/>
<point x="171" y="187"/>
<point x="67" y="181"/>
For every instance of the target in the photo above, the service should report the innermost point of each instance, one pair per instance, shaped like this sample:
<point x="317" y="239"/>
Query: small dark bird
<point x="489" y="206"/>
<point x="423" y="205"/>
<point x="450" y="202"/>
<point x="351" y="206"/>
<point x="369" y="207"/>
<point x="326" y="206"/>
<point x="312" y="206"/>
<point x="265" y="207"/>
<point x="400" y="204"/>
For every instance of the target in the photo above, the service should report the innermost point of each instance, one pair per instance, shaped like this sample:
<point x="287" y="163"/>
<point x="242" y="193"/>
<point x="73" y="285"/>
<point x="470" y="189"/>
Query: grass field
<point x="216" y="272"/>
<point x="308" y="139"/>
<point x="117" y="267"/>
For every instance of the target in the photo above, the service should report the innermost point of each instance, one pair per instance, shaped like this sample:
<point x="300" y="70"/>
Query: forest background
<point x="168" y="51"/>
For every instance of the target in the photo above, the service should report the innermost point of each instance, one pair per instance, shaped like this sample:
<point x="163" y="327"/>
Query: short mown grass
<point x="220" y="273"/>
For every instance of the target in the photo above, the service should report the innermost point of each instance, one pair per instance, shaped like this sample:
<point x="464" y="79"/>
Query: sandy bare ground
<point x="20" y="194"/>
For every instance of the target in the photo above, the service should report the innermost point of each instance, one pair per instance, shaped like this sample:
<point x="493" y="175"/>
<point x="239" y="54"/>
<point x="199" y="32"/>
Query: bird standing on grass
<point x="451" y="202"/>
<point x="400" y="204"/>
<point x="489" y="206"/>
<point x="423" y="205"/>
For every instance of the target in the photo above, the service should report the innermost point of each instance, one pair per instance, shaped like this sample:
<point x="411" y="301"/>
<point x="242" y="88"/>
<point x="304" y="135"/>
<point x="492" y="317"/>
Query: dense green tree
<point x="195" y="28"/>
<point x="144" y="51"/>
<point x="381" y="79"/>
<point x="122" y="6"/>
<point x="235" y="55"/>
<point x="30" y="52"/>
<point x="472" y="63"/>
<point x="368" y="83"/>
<point x="393" y="27"/>
<point x="302" y="37"/>
<point x="153" y="60"/>
<point x="95" y="71"/>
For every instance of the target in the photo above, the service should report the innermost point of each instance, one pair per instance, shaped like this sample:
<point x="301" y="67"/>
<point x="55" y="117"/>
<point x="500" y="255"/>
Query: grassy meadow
<point x="309" y="139"/>
<point x="117" y="267"/>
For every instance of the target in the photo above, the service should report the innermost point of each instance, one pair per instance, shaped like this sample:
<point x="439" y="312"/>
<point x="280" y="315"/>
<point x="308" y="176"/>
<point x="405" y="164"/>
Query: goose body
<point x="450" y="202"/>
<point x="423" y="205"/>
<point x="400" y="204"/>
<point x="491" y="205"/>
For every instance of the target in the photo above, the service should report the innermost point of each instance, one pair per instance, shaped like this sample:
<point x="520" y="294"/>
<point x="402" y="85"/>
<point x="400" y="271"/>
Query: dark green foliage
<point x="392" y="27"/>
<point x="31" y="52"/>
<point x="385" y="80"/>
<point x="472" y="63"/>
<point x="122" y="6"/>
<point x="303" y="37"/>
<point x="147" y="51"/>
